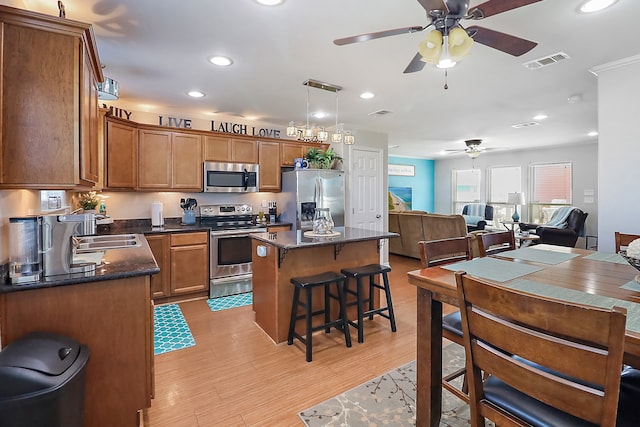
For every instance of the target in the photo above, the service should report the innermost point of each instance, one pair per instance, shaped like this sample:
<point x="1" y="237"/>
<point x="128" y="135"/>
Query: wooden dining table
<point x="586" y="274"/>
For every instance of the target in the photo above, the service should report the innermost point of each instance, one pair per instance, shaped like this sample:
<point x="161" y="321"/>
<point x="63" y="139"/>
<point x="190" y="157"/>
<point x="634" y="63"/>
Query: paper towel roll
<point x="157" y="217"/>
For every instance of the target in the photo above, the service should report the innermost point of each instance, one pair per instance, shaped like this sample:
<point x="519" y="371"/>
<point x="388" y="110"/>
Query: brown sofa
<point x="414" y="226"/>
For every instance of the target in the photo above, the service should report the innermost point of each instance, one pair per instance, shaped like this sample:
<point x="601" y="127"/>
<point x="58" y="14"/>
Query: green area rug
<point x="389" y="400"/>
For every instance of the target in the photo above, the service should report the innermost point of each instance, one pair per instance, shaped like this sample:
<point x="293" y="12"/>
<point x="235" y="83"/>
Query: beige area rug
<point x="389" y="400"/>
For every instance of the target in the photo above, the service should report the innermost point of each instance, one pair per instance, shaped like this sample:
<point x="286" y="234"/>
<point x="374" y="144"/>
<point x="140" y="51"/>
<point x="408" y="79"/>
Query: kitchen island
<point x="277" y="257"/>
<point x="110" y="311"/>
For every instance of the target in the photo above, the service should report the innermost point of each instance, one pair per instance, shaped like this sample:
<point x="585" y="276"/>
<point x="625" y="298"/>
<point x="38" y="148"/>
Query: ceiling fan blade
<point x="433" y="5"/>
<point x="379" y="34"/>
<point x="493" y="7"/>
<point x="416" y="64"/>
<point x="505" y="42"/>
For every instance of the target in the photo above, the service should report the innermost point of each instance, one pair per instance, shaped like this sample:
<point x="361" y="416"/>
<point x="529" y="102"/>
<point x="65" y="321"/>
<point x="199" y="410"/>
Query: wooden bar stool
<point x="370" y="271"/>
<point x="307" y="284"/>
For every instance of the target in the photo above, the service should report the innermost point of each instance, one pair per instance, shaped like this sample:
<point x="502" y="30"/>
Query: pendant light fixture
<point x="308" y="133"/>
<point x="108" y="90"/>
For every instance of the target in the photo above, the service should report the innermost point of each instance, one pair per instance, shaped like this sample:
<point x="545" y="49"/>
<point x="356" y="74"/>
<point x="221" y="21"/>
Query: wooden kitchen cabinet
<point x="169" y="160"/>
<point x="160" y="245"/>
<point x="48" y="98"/>
<point x="154" y="159"/>
<point x="186" y="161"/>
<point x="269" y="166"/>
<point x="189" y="262"/>
<point x="183" y="259"/>
<point x="292" y="150"/>
<point x="121" y="154"/>
<point x="225" y="149"/>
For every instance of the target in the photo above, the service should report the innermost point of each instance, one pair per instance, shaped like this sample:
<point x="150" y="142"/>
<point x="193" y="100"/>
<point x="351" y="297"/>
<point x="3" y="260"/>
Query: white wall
<point x="584" y="159"/>
<point x="619" y="154"/>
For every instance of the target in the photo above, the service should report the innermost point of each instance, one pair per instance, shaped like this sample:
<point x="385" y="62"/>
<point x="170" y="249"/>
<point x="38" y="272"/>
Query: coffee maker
<point x="41" y="246"/>
<point x="25" y="249"/>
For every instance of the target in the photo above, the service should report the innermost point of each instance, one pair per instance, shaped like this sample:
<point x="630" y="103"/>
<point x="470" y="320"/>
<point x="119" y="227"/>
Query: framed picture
<point x="402" y="170"/>
<point x="400" y="198"/>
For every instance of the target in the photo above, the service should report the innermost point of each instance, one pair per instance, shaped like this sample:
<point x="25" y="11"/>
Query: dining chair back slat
<point x="493" y="243"/>
<point x="567" y="356"/>
<point x="445" y="251"/>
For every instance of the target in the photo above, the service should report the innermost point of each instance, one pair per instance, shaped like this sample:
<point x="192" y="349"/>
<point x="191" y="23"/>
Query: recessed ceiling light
<point x="366" y="95"/>
<point x="270" y="2"/>
<point x="591" y="6"/>
<point x="319" y="115"/>
<point x="195" y="94"/>
<point x="222" y="61"/>
<point x="540" y="117"/>
<point x="592" y="133"/>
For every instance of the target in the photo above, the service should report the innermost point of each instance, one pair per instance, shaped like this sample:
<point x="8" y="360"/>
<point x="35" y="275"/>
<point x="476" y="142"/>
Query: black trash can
<point x="42" y="381"/>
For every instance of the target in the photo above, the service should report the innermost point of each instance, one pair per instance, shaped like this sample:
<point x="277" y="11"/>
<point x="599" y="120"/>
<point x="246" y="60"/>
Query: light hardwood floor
<point x="236" y="376"/>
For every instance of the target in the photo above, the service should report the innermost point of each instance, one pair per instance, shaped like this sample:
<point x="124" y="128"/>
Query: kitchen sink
<point x="100" y="243"/>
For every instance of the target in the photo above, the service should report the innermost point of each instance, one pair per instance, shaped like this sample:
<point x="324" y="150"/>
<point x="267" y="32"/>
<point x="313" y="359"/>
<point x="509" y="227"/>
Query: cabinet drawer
<point x="182" y="239"/>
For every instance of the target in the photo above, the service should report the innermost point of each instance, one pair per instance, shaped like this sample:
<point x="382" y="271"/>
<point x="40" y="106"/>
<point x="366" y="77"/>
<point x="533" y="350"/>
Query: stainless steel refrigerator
<point x="307" y="189"/>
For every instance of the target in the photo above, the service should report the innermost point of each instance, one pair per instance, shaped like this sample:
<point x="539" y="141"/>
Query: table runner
<point x="571" y="295"/>
<point x="545" y="256"/>
<point x="493" y="269"/>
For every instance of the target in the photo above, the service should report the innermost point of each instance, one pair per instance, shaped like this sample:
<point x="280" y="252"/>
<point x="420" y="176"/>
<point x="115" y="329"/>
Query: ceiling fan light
<point x="431" y="47"/>
<point x="445" y="59"/>
<point x="459" y="43"/>
<point x="473" y="153"/>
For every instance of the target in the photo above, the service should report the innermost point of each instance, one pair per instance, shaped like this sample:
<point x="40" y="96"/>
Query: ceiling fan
<point x="451" y="40"/>
<point x="473" y="149"/>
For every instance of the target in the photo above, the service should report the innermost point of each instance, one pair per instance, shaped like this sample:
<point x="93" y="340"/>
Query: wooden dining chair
<point x="623" y="240"/>
<point x="493" y="243"/>
<point x="440" y="252"/>
<point x="550" y="362"/>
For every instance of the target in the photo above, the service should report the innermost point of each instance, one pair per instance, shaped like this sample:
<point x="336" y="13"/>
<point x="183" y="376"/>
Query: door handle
<point x="378" y="216"/>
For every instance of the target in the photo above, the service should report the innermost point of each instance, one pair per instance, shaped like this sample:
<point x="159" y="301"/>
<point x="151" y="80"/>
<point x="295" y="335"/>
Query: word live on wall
<point x="228" y="127"/>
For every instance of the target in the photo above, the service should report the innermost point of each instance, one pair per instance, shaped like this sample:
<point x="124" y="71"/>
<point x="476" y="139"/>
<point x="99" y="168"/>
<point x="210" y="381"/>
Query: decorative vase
<point x="322" y="221"/>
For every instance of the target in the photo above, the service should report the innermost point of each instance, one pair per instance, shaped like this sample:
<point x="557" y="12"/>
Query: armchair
<point x="563" y="228"/>
<point x="476" y="215"/>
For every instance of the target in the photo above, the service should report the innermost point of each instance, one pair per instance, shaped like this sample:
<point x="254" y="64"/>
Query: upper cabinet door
<point x="154" y="159"/>
<point x="48" y="99"/>
<point x="186" y="160"/>
<point x="89" y="168"/>
<point x="121" y="160"/>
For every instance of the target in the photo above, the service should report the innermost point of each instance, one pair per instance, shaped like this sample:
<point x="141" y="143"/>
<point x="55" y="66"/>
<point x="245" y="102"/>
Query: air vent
<point x="525" y="125"/>
<point x="547" y="60"/>
<point x="380" y="113"/>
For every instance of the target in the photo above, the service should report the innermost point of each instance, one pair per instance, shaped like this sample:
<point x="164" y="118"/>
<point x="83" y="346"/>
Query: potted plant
<point x="321" y="159"/>
<point x="88" y="201"/>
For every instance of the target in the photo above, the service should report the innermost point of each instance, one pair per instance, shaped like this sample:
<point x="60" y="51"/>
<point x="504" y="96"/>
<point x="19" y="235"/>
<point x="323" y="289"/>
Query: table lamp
<point x="515" y="199"/>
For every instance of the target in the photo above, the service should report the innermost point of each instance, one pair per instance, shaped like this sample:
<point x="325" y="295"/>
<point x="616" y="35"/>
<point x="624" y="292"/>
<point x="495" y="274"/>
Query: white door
<point x="367" y="189"/>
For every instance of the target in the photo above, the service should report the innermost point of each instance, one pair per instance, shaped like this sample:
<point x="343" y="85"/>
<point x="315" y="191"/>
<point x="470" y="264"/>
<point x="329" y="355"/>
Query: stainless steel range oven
<point x="230" y="247"/>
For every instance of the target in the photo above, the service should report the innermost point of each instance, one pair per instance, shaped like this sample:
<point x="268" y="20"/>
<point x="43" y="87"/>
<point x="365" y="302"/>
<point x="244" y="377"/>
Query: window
<point x="551" y="185"/>
<point x="466" y="188"/>
<point x="503" y="180"/>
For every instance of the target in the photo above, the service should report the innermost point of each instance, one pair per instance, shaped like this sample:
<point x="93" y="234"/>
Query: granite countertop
<point x="296" y="239"/>
<point x="114" y="264"/>
<point x="171" y="225"/>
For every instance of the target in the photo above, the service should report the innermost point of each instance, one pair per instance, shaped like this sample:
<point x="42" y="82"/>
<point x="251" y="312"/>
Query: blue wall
<point x="422" y="184"/>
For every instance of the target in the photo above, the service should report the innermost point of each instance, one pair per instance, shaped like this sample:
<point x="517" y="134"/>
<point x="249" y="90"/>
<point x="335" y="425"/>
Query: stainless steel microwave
<point x="222" y="177"/>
